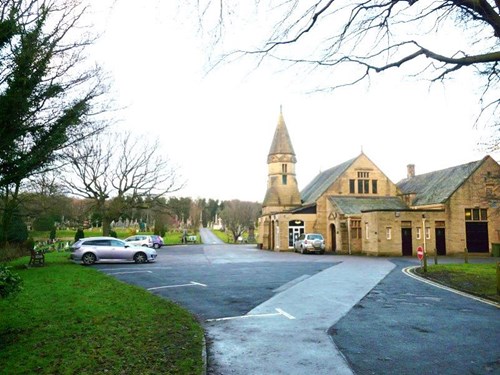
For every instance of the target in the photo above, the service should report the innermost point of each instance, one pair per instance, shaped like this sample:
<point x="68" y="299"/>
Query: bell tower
<point x="282" y="191"/>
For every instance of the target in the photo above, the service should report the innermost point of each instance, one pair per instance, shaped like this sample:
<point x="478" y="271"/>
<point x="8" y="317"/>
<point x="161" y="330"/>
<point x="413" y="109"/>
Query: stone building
<point x="357" y="209"/>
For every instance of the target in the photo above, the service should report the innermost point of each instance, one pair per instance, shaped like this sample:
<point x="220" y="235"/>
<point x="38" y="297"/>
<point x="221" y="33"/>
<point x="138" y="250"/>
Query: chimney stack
<point x="410" y="170"/>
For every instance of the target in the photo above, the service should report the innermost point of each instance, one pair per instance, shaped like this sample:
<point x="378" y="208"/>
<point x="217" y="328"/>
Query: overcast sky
<point x="218" y="127"/>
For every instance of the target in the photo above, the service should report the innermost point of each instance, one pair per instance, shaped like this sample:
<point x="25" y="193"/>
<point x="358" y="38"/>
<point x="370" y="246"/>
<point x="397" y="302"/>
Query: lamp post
<point x="425" y="249"/>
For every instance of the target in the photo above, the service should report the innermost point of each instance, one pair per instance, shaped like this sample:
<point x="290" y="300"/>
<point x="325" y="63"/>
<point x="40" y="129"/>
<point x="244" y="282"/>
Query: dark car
<point x="157" y="241"/>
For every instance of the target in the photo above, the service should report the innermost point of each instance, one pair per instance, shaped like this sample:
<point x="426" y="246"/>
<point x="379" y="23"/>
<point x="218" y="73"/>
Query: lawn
<point x="170" y="238"/>
<point x="71" y="319"/>
<point x="477" y="279"/>
<point x="225" y="237"/>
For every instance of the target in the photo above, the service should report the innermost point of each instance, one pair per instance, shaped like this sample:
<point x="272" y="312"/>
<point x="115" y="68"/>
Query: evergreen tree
<point x="79" y="234"/>
<point x="47" y="96"/>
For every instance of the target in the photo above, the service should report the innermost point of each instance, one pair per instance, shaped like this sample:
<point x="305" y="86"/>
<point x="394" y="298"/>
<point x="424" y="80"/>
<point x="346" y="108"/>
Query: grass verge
<point x="225" y="237"/>
<point x="476" y="279"/>
<point x="71" y="319"/>
<point x="169" y="238"/>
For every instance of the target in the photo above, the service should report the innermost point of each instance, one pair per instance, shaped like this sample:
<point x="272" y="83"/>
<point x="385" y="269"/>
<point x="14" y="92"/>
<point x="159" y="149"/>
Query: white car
<point x="140" y="240"/>
<point x="309" y="242"/>
<point x="95" y="249"/>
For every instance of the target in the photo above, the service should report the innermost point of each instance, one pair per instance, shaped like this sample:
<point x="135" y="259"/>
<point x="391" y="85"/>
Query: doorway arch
<point x="333" y="236"/>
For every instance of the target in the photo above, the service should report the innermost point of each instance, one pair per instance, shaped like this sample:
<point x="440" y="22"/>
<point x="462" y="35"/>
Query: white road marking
<point x="285" y="314"/>
<point x="195" y="283"/>
<point x="122" y="273"/>
<point x="192" y="283"/>
<point x="408" y="271"/>
<point x="279" y="312"/>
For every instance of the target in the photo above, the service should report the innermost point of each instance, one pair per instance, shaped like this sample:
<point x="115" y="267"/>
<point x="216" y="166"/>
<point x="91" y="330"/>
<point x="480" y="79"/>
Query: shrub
<point x="17" y="231"/>
<point x="52" y="235"/>
<point x="160" y="230"/>
<point x="43" y="223"/>
<point x="112" y="233"/>
<point x="10" y="283"/>
<point x="29" y="244"/>
<point x="79" y="234"/>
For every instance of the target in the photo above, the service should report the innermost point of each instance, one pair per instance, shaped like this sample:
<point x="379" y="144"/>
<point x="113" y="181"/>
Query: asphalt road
<point x="286" y="313"/>
<point x="407" y="327"/>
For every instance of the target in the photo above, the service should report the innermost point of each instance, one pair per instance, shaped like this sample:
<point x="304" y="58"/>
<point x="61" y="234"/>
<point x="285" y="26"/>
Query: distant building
<point x="358" y="209"/>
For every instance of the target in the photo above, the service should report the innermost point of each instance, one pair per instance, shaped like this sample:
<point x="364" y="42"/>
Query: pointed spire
<point x="281" y="141"/>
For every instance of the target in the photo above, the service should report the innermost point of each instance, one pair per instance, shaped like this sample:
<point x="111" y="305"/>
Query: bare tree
<point x="239" y="216"/>
<point x="351" y="40"/>
<point x="116" y="173"/>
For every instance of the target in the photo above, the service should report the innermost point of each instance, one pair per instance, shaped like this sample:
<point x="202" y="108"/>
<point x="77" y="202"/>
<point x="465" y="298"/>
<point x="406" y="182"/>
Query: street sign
<point x="420" y="252"/>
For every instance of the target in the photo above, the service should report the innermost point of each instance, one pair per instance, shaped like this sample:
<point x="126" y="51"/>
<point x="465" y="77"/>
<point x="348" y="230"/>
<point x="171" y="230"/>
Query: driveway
<point x="208" y="238"/>
<point x="286" y="313"/>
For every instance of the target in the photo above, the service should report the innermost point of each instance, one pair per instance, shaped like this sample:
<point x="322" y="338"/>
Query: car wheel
<point x="156" y="245"/>
<point x="140" y="258"/>
<point x="302" y="249"/>
<point x="88" y="259"/>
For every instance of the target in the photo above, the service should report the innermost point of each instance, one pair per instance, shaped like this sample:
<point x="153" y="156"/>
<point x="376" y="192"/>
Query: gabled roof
<point x="356" y="205"/>
<point x="282" y="143"/>
<point x="323" y="181"/>
<point x="437" y="187"/>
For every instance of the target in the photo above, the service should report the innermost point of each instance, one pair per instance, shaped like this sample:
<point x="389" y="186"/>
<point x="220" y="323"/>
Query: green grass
<point x="170" y="238"/>
<point x="225" y="237"/>
<point x="71" y="319"/>
<point x="477" y="279"/>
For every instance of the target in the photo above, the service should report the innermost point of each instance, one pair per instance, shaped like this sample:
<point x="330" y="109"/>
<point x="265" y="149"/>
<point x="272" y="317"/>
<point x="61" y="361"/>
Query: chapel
<point x="359" y="210"/>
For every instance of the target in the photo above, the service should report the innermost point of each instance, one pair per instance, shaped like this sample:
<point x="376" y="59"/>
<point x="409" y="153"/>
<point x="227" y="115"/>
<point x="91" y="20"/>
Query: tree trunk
<point x="106" y="226"/>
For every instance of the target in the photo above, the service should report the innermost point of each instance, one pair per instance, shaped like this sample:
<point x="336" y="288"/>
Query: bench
<point x="192" y="239"/>
<point x="37" y="258"/>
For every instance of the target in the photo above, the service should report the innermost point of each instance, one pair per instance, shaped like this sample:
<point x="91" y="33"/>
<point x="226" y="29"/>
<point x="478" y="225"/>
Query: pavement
<point x="288" y="334"/>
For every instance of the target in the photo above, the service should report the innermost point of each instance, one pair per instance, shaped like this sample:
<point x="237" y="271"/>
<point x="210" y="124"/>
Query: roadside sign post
<point x="422" y="256"/>
<point x="420" y="253"/>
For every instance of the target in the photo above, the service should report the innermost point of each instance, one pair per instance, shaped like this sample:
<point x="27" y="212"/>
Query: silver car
<point x="145" y="240"/>
<point x="95" y="249"/>
<point x="309" y="242"/>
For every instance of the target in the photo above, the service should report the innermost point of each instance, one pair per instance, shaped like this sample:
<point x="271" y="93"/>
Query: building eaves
<point x="357" y="205"/>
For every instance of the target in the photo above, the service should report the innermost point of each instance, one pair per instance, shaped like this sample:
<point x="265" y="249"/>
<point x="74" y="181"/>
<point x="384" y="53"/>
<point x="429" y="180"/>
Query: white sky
<point x="218" y="128"/>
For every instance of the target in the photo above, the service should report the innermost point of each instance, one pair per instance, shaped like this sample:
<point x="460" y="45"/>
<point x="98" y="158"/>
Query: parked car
<point x="145" y="240"/>
<point x="95" y="249"/>
<point x="309" y="242"/>
<point x="157" y="241"/>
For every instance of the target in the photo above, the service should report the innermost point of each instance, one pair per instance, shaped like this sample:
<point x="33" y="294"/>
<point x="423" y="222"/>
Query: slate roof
<point x="323" y="181"/>
<point x="356" y="205"/>
<point x="437" y="187"/>
<point x="282" y="143"/>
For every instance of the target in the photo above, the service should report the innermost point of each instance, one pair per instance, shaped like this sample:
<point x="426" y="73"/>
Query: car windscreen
<point x="316" y="237"/>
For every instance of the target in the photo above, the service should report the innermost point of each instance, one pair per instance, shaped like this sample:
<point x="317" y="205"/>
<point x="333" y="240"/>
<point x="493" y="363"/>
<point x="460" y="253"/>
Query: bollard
<point x="435" y="256"/>
<point x="466" y="256"/>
